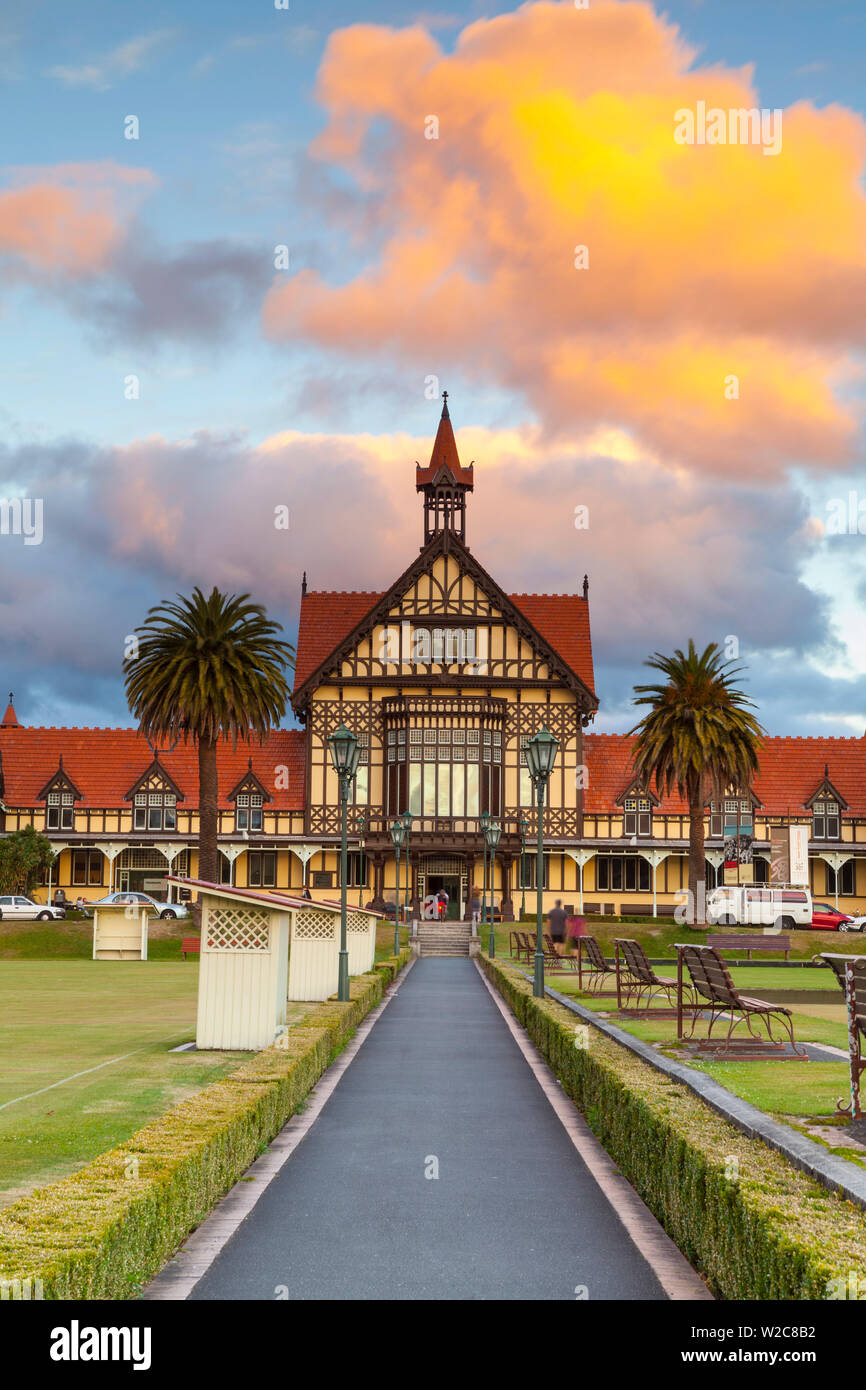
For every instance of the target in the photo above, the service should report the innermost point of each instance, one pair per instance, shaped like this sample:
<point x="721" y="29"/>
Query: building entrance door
<point x="451" y="884"/>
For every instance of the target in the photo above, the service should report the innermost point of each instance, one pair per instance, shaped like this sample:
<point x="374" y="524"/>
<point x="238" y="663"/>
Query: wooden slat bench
<point x="555" y="959"/>
<point x="751" y="943"/>
<point x="190" y="945"/>
<point x="716" y="993"/>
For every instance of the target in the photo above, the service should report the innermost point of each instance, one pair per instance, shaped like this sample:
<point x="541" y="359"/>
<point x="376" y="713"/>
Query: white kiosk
<point x="120" y="932"/>
<point x="260" y="949"/>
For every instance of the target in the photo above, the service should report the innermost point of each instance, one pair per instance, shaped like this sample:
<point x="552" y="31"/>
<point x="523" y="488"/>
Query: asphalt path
<point x="437" y="1170"/>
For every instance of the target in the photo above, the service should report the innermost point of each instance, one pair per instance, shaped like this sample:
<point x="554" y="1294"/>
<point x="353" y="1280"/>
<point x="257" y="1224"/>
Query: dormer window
<point x="154" y="810"/>
<point x="826" y="819"/>
<point x="248" y="811"/>
<point x="726" y="815"/>
<point x="637" y="815"/>
<point x="60" y="811"/>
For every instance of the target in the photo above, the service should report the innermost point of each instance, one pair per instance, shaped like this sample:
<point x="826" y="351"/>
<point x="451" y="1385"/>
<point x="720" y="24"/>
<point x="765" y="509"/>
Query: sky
<point x="243" y="249"/>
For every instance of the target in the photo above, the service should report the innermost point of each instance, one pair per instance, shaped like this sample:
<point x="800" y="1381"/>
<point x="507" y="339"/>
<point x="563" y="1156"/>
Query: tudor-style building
<point x="443" y="677"/>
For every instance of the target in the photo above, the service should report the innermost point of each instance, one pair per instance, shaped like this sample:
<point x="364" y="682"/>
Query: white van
<point x="781" y="908"/>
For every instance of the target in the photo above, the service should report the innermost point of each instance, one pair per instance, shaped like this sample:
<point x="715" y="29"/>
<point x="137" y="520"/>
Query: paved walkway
<point x="514" y="1212"/>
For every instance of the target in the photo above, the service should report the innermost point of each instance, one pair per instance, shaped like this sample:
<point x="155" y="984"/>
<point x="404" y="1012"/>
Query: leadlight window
<point x="450" y="772"/>
<point x="60" y="811"/>
<point x="248" y="811"/>
<point x="825" y="820"/>
<point x="637" y="815"/>
<point x="154" y="811"/>
<point x="86" y="868"/>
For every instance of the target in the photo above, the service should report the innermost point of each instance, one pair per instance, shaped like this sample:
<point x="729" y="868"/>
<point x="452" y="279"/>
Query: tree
<point x="207" y="668"/>
<point x="698" y="735"/>
<point x="23" y="856"/>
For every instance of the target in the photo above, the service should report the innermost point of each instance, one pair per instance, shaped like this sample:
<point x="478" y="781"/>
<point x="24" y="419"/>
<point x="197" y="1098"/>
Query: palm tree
<point x="698" y="735"/>
<point x="207" y="668"/>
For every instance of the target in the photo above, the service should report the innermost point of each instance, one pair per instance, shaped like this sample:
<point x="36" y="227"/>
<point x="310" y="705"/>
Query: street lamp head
<point x="398" y="833"/>
<point x="541" y="751"/>
<point x="492" y="833"/>
<point x="345" y="752"/>
<point x="524" y="826"/>
<point x="484" y="818"/>
<point x="407" y="819"/>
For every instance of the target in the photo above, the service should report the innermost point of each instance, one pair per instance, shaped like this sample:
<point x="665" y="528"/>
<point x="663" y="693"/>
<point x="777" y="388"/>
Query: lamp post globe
<point x="345" y="752"/>
<point x="541" y="751"/>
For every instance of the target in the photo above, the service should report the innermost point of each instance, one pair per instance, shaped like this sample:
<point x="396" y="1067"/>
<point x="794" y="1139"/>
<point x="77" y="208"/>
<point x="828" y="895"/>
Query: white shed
<point x="120" y="932"/>
<point x="260" y="949"/>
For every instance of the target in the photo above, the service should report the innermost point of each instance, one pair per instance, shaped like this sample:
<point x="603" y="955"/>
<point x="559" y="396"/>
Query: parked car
<point x="16" y="909"/>
<point x="827" y="918"/>
<point x="750" y="905"/>
<point x="164" y="910"/>
<point x="855" y="923"/>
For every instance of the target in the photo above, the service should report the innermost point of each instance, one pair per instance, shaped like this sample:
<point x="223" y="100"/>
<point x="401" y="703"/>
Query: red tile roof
<point x="444" y="455"/>
<point x="791" y="771"/>
<point x="104" y="764"/>
<point x="561" y="619"/>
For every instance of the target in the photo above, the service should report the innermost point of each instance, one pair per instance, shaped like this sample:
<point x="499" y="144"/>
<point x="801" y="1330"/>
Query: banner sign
<point x="798" y="854"/>
<point x="779" y="855"/>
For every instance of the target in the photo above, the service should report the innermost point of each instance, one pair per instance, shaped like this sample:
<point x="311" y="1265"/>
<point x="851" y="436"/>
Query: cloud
<point x="65" y="221"/>
<point x="129" y="57"/>
<point x="556" y="130"/>
<point x="128" y="526"/>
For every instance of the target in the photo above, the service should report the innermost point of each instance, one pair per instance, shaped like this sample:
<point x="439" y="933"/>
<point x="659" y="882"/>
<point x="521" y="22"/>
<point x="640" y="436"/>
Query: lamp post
<point x="541" y="753"/>
<point x="484" y="820"/>
<point x="398" y="835"/>
<point x="345" y="752"/>
<point x="492" y="833"/>
<point x="407" y="819"/>
<point x="524" y="826"/>
<point x="362" y="826"/>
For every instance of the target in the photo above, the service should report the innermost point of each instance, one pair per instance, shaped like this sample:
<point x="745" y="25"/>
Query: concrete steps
<point x="444" y="938"/>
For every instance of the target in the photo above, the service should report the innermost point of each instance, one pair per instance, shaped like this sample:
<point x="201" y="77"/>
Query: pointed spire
<point x="10" y="718"/>
<point x="304" y="585"/>
<point x="586" y="586"/>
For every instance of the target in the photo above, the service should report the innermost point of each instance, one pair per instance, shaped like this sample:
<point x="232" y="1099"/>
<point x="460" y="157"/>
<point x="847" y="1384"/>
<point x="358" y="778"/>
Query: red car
<point x="827" y="918"/>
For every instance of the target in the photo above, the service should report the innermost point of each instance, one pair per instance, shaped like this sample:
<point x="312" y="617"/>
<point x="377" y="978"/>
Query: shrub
<point x="106" y="1230"/>
<point x="760" y="1230"/>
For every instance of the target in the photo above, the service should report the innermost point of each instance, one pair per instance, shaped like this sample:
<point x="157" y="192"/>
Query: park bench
<point x="850" y="971"/>
<point x="592" y="964"/>
<point x="520" y="944"/>
<point x="750" y="944"/>
<point x="556" y="959"/>
<point x="715" y="992"/>
<point x="192" y="945"/>
<point x="637" y="984"/>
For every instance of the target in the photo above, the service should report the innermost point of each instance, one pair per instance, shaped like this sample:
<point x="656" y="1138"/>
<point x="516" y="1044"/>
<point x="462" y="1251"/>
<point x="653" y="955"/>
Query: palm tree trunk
<point x="208" y="866"/>
<point x="697" y="857"/>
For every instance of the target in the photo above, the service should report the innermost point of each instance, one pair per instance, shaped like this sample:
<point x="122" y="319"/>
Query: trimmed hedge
<point x="108" y="1229"/>
<point x="769" y="1232"/>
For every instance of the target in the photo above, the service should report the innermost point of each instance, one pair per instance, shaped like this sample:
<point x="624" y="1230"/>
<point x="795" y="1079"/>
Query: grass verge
<point x="749" y="1221"/>
<point x="105" y="1231"/>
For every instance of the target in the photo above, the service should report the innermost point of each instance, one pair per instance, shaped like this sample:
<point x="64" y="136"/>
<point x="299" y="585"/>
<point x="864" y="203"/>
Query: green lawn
<point x="658" y="937"/>
<point x="786" y="1090"/>
<point x="87" y="1044"/>
<point x="116" y="1023"/>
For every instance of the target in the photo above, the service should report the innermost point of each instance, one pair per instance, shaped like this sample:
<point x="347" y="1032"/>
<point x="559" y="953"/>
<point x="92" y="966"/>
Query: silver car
<point x="165" y="910"/>
<point x="17" y="909"/>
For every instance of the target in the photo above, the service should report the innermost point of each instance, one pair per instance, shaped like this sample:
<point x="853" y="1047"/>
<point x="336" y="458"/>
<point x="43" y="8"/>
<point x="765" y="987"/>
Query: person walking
<point x="475" y="911"/>
<point x="556" y="922"/>
<point x="443" y="904"/>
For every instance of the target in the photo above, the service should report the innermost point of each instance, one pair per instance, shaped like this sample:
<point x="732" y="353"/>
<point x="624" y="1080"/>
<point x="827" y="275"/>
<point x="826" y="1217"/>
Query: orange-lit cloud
<point x="67" y="220"/>
<point x="706" y="263"/>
